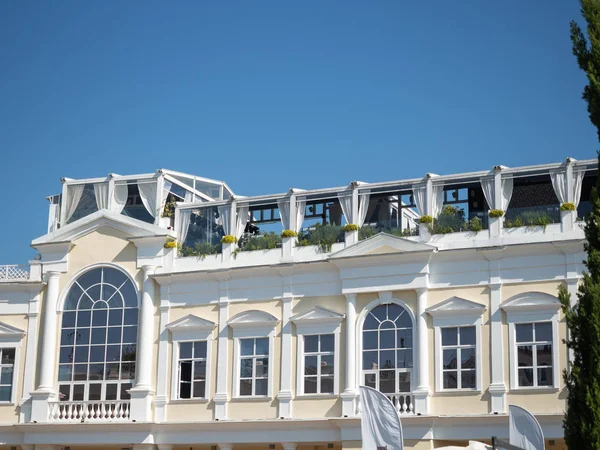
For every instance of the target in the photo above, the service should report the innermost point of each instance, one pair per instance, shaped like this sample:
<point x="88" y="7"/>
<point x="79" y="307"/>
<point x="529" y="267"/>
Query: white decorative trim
<point x="532" y="307"/>
<point x="316" y="321"/>
<point x="252" y="320"/>
<point x="456" y="306"/>
<point x="397" y="244"/>
<point x="12" y="337"/>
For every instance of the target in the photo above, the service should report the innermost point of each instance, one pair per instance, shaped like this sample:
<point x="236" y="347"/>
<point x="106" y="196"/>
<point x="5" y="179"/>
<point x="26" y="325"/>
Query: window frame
<point x="532" y="307"/>
<point x="317" y="321"/>
<point x="190" y="328"/>
<point x="459" y="369"/>
<point x="13" y="341"/>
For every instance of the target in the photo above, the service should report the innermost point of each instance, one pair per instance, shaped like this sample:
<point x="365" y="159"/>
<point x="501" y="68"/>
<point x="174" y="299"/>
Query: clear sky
<point x="270" y="95"/>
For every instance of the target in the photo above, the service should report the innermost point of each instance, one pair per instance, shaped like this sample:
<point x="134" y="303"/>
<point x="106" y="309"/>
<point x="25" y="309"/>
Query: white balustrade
<point x="90" y="411"/>
<point x="403" y="403"/>
<point x="14" y="272"/>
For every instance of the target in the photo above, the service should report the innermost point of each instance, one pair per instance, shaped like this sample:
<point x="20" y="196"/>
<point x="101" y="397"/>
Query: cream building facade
<point x="115" y="338"/>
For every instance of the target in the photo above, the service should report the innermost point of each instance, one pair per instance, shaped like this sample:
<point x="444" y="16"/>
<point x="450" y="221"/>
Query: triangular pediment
<point x="129" y="227"/>
<point x="531" y="301"/>
<point x="191" y="323"/>
<point x="8" y="332"/>
<point x="456" y="306"/>
<point x="383" y="243"/>
<point x="318" y="314"/>
<point x="253" y="318"/>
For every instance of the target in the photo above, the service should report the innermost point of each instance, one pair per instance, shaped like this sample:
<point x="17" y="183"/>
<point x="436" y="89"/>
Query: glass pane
<point x="83" y="318"/>
<point x="394" y="311"/>
<point x="199" y="370"/>
<point x="245" y="387"/>
<point x="246" y="347"/>
<point x="8" y="356"/>
<point x="524" y="332"/>
<point x="80" y="372"/>
<point x="545" y="377"/>
<point x="450" y="380"/>
<point x="67" y="337"/>
<point x="327" y="342"/>
<point x="371" y="323"/>
<point x="543" y="332"/>
<point x="467" y="358"/>
<point x="115" y="317"/>
<point x="467" y="336"/>
<point x="525" y="377"/>
<point x="450" y="336"/>
<point x="113" y="353"/>
<point x="200" y="349"/>
<point x="81" y="354"/>
<point x="525" y="355"/>
<point x="185" y="371"/>
<point x="68" y="320"/>
<point x="405" y="338"/>
<point x="111" y="391"/>
<point x="65" y="372"/>
<point x="6" y="375"/>
<point x="370" y="380"/>
<point x="544" y="355"/>
<point x="129" y="295"/>
<point x="109" y="295"/>
<point x="467" y="378"/>
<point x="449" y="359"/>
<point x="387" y="339"/>
<point x="311" y="344"/>
<point x="85" y="302"/>
<point x="404" y="320"/>
<point x="404" y="359"/>
<point x="5" y="393"/>
<point x="114" y="276"/>
<point x="261" y="387"/>
<point x="130" y="317"/>
<point x="199" y="388"/>
<point x="262" y="367"/>
<point x="310" y="385"/>
<point x="370" y="360"/>
<point x="387" y="381"/>
<point x="370" y="340"/>
<point x="73" y="297"/>
<point x="99" y="336"/>
<point x="66" y="355"/>
<point x="387" y="325"/>
<point x="112" y="371"/>
<point x="326" y="385"/>
<point x="129" y="352"/>
<point x="95" y="392"/>
<point x="114" y="335"/>
<point x="310" y="365"/>
<point x="130" y="335"/>
<point x="90" y="278"/>
<point x="93" y="293"/>
<point x="128" y="371"/>
<point x="64" y="392"/>
<point x="82" y="336"/>
<point x="403" y="382"/>
<point x="380" y="312"/>
<point x="185" y="350"/>
<point x="99" y="317"/>
<point x="262" y="346"/>
<point x="246" y="368"/>
<point x="96" y="371"/>
<point x="387" y="359"/>
<point x="124" y="388"/>
<point x="96" y="353"/>
<point x="78" y="391"/>
<point x="327" y="364"/>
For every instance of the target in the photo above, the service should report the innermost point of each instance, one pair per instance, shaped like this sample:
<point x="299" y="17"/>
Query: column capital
<point x="422" y="290"/>
<point x="495" y="286"/>
<point x="52" y="275"/>
<point x="149" y="269"/>
<point x="351" y="296"/>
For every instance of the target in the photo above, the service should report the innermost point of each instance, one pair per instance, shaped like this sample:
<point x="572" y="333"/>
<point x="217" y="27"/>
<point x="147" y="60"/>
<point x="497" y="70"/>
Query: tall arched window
<point x="98" y="340"/>
<point x="387" y="353"/>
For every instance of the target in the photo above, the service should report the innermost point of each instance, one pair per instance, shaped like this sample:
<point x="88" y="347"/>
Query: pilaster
<point x="285" y="393"/>
<point x="349" y="394"/>
<point x="221" y="396"/>
<point x="422" y="392"/>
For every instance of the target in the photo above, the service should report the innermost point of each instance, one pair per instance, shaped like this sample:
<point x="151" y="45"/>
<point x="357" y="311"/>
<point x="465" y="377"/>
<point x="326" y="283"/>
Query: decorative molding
<point x="386" y="243"/>
<point x="531" y="301"/>
<point x="252" y="319"/>
<point x="190" y="322"/>
<point x="318" y="315"/>
<point x="456" y="306"/>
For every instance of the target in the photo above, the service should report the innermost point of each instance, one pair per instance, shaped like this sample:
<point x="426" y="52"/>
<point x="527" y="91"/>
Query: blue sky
<point x="270" y="95"/>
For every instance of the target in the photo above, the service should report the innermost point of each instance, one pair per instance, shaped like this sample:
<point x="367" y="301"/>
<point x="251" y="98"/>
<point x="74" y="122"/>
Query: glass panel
<point x="394" y="311"/>
<point x="199" y="370"/>
<point x="96" y="371"/>
<point x="66" y="355"/>
<point x="245" y="387"/>
<point x="6" y="375"/>
<point x="82" y="337"/>
<point x="525" y="355"/>
<point x="130" y="335"/>
<point x="524" y="332"/>
<point x="371" y="323"/>
<point x="467" y="379"/>
<point x="405" y="338"/>
<point x="387" y="359"/>
<point x="404" y="382"/>
<point x="467" y="358"/>
<point x="262" y="346"/>
<point x="64" y="392"/>
<point x="310" y="365"/>
<point x="114" y="335"/>
<point x="185" y="350"/>
<point x="261" y="387"/>
<point x="450" y="380"/>
<point x="200" y="349"/>
<point x="124" y="388"/>
<point x="525" y="377"/>
<point x="80" y="372"/>
<point x="83" y="318"/>
<point x="262" y="367"/>
<point x="387" y="339"/>
<point x="370" y="380"/>
<point x="327" y="342"/>
<point x="326" y="385"/>
<point x="128" y="371"/>
<point x="96" y="353"/>
<point x="449" y="359"/>
<point x="114" y="277"/>
<point x="111" y="391"/>
<point x="73" y="297"/>
<point x="545" y="376"/>
<point x="81" y="354"/>
<point x="115" y="317"/>
<point x="99" y="317"/>
<point x="90" y="278"/>
<point x="95" y="392"/>
<point x="543" y="332"/>
<point x="113" y="353"/>
<point x="116" y="301"/>
<point x="99" y="336"/>
<point x="310" y="385"/>
<point x="405" y="359"/>
<point x="67" y="337"/>
<point x="380" y="312"/>
<point x="5" y="393"/>
<point x="467" y="336"/>
<point x="311" y="344"/>
<point x="246" y="347"/>
<point x="68" y="320"/>
<point x="327" y="364"/>
<point x="387" y="325"/>
<point x="93" y="292"/>
<point x="450" y="336"/>
<point x="78" y="391"/>
<point x="185" y="371"/>
<point x="370" y="360"/>
<point x="199" y="387"/>
<point x="404" y="321"/>
<point x="8" y="356"/>
<point x="544" y="355"/>
<point x="387" y="381"/>
<point x="246" y="368"/>
<point x="112" y="371"/>
<point x="129" y="352"/>
<point x="131" y="317"/>
<point x="370" y="340"/>
<point x="129" y="296"/>
<point x="85" y="302"/>
<point x="65" y="372"/>
<point x="109" y="294"/>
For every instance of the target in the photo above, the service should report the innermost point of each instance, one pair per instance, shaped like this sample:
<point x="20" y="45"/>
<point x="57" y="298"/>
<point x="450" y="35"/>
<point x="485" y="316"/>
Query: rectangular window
<point x="534" y="354"/>
<point x="459" y="358"/>
<point x="192" y="369"/>
<point x="7" y="366"/>
<point x="318" y="364"/>
<point x="254" y="366"/>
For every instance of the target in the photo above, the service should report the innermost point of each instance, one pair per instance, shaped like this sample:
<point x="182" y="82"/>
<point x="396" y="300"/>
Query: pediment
<point x="130" y="228"/>
<point x="8" y="332"/>
<point x="318" y="314"/>
<point x="383" y="243"/>
<point x="456" y="306"/>
<point x="531" y="301"/>
<point x="253" y="319"/>
<point x="191" y="323"/>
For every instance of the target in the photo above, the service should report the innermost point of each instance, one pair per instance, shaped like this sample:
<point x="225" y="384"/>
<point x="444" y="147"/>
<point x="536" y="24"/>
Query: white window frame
<point x="456" y="312"/>
<point x="459" y="348"/>
<point x="190" y="328"/>
<point x="317" y="321"/>
<point x="12" y="337"/>
<point x="252" y="324"/>
<point x="532" y="307"/>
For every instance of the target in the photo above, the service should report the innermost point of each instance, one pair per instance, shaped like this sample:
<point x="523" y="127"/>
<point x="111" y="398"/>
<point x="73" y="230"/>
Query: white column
<point x="49" y="335"/>
<point x="222" y="361"/>
<point x="421" y="393"/>
<point x="349" y="394"/>
<point x="160" y="401"/>
<point x="497" y="386"/>
<point x="285" y="393"/>
<point x="30" y="359"/>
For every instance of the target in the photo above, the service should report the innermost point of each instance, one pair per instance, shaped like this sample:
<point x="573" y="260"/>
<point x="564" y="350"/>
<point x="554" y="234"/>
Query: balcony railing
<point x="89" y="411"/>
<point x="403" y="403"/>
<point x="14" y="272"/>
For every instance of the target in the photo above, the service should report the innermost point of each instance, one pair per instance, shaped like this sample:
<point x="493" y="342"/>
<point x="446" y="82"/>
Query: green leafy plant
<point x="262" y="242"/>
<point x="351" y="227"/>
<point x="426" y="219"/>
<point x="323" y="236"/>
<point x="289" y="234"/>
<point x="201" y="250"/>
<point x="235" y="252"/>
<point x="170" y="244"/>
<point x="450" y="220"/>
<point x="475" y="225"/>
<point x="169" y="209"/>
<point x="366" y="232"/>
<point x="228" y="239"/>
<point x="568" y="206"/>
<point x="495" y="213"/>
<point x="529" y="219"/>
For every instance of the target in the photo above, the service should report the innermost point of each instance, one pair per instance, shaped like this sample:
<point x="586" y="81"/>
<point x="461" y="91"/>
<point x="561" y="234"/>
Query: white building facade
<point x="165" y="312"/>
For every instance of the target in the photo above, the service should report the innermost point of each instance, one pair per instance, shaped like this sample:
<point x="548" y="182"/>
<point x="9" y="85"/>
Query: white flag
<point x="524" y="430"/>
<point x="379" y="423"/>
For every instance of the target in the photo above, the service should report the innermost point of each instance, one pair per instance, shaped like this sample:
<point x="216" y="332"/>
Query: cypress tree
<point x="582" y="420"/>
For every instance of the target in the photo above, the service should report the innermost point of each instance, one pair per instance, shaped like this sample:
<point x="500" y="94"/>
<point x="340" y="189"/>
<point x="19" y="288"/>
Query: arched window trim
<point x="60" y="307"/>
<point x="359" y="337"/>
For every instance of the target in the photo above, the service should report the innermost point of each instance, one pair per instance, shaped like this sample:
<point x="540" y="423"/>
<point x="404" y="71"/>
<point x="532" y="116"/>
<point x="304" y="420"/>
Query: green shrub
<point x="475" y="225"/>
<point x="425" y="219"/>
<point x="288" y="234"/>
<point x="201" y="250"/>
<point x="495" y="213"/>
<point x="262" y="242"/>
<point x="351" y="227"/>
<point x="324" y="236"/>
<point x="366" y="232"/>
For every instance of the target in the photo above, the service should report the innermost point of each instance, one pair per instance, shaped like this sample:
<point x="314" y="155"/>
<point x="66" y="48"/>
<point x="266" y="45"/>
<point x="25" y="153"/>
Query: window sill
<point x="532" y="389"/>
<point x="183" y="401"/>
<point x="315" y="396"/>
<point x="252" y="398"/>
<point x="458" y="391"/>
<point x="7" y="403"/>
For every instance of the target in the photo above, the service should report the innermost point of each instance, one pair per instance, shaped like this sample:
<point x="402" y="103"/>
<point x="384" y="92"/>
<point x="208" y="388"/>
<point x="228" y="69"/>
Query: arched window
<point x="387" y="350"/>
<point x="98" y="340"/>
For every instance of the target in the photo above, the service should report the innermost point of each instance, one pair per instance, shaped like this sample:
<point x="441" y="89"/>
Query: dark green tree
<point x="582" y="420"/>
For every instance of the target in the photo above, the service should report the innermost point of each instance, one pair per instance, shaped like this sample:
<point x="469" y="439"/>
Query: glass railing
<point x="532" y="216"/>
